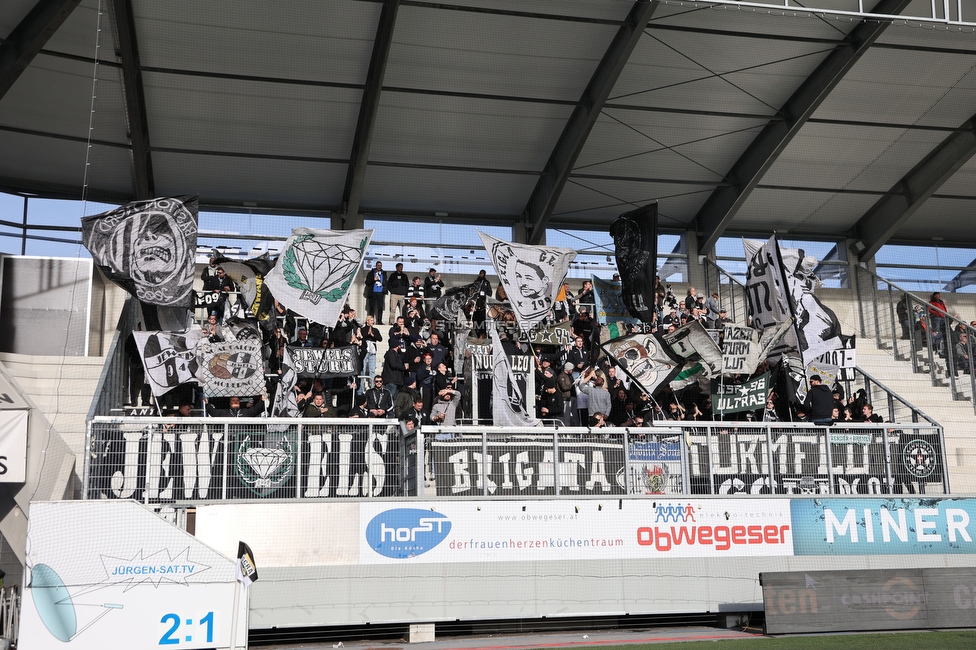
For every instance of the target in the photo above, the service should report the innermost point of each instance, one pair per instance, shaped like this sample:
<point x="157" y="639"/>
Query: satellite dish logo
<point x="406" y="532"/>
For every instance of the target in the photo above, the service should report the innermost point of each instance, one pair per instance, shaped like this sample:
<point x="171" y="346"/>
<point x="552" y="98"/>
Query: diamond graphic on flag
<point x="265" y="462"/>
<point x="321" y="270"/>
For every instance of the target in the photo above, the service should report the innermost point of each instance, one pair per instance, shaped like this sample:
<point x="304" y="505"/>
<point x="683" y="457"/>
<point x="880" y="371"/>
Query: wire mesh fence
<point x="198" y="460"/>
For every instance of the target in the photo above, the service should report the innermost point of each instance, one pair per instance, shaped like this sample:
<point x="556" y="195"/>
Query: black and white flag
<point x="316" y="269"/>
<point x="285" y="402"/>
<point x="779" y="286"/>
<point x="326" y="362"/>
<point x="147" y="248"/>
<point x="531" y="275"/>
<point x="449" y="307"/>
<point x="231" y="368"/>
<point x="646" y="360"/>
<point x="692" y="342"/>
<point x="248" y="275"/>
<point x="169" y="358"/>
<point x="509" y="396"/>
<point x="247" y="570"/>
<point x="635" y="244"/>
<point x="744" y="348"/>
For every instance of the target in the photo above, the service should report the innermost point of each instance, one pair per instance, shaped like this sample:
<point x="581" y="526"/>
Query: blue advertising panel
<point x="883" y="526"/>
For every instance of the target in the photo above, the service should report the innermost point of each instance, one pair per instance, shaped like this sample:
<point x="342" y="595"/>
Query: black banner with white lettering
<point x="325" y="362"/>
<point x="186" y="462"/>
<point x="527" y="467"/>
<point x="737" y="398"/>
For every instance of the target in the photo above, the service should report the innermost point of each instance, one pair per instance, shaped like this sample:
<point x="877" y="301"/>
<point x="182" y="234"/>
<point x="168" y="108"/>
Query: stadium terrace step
<point x="61" y="388"/>
<point x="955" y="415"/>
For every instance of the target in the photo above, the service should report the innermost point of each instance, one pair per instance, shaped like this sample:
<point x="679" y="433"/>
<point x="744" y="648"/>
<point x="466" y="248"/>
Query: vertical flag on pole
<point x="635" y="241"/>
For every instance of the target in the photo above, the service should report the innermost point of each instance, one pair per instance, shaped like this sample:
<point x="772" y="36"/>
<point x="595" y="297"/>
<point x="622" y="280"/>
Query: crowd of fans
<point x="409" y="371"/>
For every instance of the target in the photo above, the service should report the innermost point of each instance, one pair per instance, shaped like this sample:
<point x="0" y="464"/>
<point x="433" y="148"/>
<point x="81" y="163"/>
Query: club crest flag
<point x="532" y="276"/>
<point x="635" y="245"/>
<point x="316" y="269"/>
<point x="147" y="248"/>
<point x="231" y="368"/>
<point x="646" y="360"/>
<point x="169" y="358"/>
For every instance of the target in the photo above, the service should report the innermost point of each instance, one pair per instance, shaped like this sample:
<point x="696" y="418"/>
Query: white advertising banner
<point x="91" y="587"/>
<point x="13" y="446"/>
<point x="517" y="531"/>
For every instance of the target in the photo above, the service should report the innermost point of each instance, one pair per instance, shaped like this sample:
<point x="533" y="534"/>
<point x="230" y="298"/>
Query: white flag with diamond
<point x="316" y="270"/>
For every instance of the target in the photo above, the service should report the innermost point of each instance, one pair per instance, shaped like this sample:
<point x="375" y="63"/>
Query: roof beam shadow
<point x="28" y="37"/>
<point x="722" y="205"/>
<point x="899" y="203"/>
<point x="352" y="193"/>
<point x="135" y="99"/>
<point x="550" y="185"/>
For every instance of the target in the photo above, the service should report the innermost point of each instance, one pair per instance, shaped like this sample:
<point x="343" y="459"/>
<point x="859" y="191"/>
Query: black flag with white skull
<point x="635" y="243"/>
<point x="147" y="248"/>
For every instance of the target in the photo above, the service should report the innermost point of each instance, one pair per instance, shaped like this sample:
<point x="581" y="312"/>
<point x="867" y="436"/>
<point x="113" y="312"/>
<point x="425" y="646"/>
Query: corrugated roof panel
<point x="466" y="132"/>
<point x="77" y="35"/>
<point x="250" y="117"/>
<point x="236" y="180"/>
<point x="796" y="211"/>
<point x="596" y="201"/>
<point x="496" y="55"/>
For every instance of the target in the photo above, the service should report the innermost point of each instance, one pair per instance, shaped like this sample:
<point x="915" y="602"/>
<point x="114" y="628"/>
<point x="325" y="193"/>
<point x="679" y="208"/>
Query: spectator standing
<point x="379" y="402"/>
<point x="433" y="285"/>
<point x="235" y="410"/>
<point x="819" y="404"/>
<point x="397" y="285"/>
<point x="416" y="290"/>
<point x="586" y="298"/>
<point x="319" y="408"/>
<point x="481" y="286"/>
<point x="374" y="291"/>
<point x="370" y="336"/>
<point x="937" y="314"/>
<point x="712" y="311"/>
<point x="394" y="368"/>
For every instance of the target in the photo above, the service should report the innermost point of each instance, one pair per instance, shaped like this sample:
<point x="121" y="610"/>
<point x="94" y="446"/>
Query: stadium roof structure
<point x="738" y="118"/>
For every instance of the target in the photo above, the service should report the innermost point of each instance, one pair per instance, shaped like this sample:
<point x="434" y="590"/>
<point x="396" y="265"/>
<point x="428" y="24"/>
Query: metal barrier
<point x="900" y="321"/>
<point x="172" y="460"/>
<point x="9" y="616"/>
<point x="113" y="384"/>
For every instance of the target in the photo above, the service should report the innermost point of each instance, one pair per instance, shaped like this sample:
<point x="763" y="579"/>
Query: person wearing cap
<point x="394" y="368"/>
<point x="481" y="287"/>
<point x="403" y="402"/>
<point x="550" y="404"/>
<point x="433" y="284"/>
<point x="723" y="317"/>
<point x="819" y="404"/>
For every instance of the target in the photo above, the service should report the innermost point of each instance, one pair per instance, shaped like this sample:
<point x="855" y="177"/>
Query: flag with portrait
<point x="147" y="248"/>
<point x="635" y="246"/>
<point x="531" y="275"/>
<point x="510" y="396"/>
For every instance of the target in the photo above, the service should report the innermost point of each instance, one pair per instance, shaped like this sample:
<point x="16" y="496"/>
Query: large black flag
<point x="147" y="248"/>
<point x="635" y="241"/>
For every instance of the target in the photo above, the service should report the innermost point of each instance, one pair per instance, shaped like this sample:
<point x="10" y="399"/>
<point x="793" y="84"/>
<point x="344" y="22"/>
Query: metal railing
<point x="731" y="292"/>
<point x="168" y="460"/>
<point x="111" y="392"/>
<point x="902" y="322"/>
<point x="198" y="460"/>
